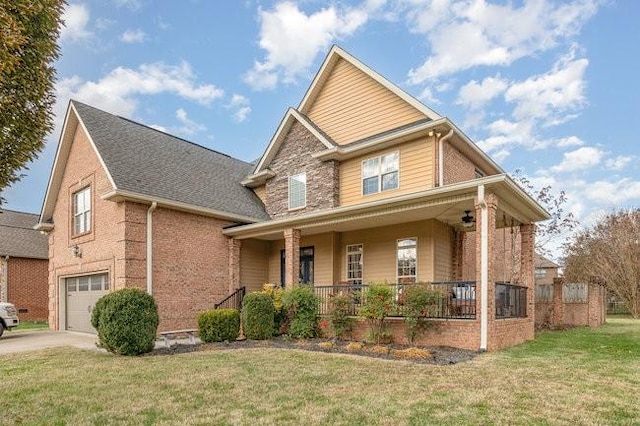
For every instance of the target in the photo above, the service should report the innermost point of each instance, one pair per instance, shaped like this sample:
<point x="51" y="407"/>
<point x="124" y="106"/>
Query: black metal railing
<point x="457" y="300"/>
<point x="511" y="301"/>
<point x="232" y="301"/>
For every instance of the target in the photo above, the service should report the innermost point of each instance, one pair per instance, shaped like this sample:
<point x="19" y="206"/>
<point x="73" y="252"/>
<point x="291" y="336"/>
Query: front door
<point x="306" y="266"/>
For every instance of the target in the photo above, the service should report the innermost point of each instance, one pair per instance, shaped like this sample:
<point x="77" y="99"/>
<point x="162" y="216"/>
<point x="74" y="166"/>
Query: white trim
<point x="289" y="191"/>
<point x="121" y="194"/>
<point x="416" y="246"/>
<point x="484" y="270"/>
<point x="327" y="66"/>
<point x="346" y="258"/>
<point x="62" y="293"/>
<point x="153" y="206"/>
<point x="278" y="137"/>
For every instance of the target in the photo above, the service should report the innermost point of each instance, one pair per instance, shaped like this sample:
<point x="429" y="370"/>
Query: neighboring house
<point x="545" y="270"/>
<point x="360" y="183"/>
<point x="23" y="265"/>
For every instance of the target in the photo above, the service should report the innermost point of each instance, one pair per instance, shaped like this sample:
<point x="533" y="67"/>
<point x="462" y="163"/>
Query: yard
<point x="582" y="376"/>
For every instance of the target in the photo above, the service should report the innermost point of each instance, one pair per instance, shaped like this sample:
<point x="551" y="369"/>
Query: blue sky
<point x="549" y="87"/>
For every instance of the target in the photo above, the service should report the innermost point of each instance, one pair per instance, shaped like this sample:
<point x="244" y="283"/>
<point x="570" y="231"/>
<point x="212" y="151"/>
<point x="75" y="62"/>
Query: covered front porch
<point x="483" y="266"/>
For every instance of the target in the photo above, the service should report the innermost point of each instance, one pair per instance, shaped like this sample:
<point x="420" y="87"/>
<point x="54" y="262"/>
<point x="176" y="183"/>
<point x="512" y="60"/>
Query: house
<point x="360" y="183"/>
<point x="23" y="265"/>
<point x="545" y="270"/>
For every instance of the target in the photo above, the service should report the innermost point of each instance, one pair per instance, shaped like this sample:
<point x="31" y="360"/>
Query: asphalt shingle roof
<point x="542" y="262"/>
<point x="146" y="161"/>
<point x="19" y="239"/>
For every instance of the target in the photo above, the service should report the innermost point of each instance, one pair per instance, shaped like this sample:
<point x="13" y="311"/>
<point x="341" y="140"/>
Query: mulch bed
<point x="439" y="355"/>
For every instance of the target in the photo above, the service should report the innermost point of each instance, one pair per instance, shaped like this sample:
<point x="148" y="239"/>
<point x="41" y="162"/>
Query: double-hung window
<point x="380" y="173"/>
<point x="82" y="211"/>
<point x="297" y="191"/>
<point x="407" y="260"/>
<point x="354" y="264"/>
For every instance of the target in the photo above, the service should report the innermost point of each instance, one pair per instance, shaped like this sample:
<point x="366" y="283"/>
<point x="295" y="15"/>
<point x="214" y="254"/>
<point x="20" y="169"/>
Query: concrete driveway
<point x="24" y="341"/>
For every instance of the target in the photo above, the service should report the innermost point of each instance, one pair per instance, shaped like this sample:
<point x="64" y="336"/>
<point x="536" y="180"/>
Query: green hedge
<point x="219" y="325"/>
<point x="126" y="321"/>
<point x="301" y="305"/>
<point x="258" y="316"/>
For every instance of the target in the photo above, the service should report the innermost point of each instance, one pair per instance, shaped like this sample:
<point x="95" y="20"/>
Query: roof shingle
<point x="19" y="239"/>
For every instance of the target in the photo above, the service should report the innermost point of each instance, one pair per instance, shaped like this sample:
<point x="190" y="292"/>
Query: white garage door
<point x="82" y="295"/>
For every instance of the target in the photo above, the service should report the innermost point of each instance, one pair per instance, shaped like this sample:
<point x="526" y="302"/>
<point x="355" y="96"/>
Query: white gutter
<point x="484" y="269"/>
<point x="150" y="247"/>
<point x="441" y="157"/>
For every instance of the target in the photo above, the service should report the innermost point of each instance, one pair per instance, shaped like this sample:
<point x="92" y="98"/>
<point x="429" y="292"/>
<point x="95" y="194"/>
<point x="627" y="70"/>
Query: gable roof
<point x="148" y="165"/>
<point x="19" y="239"/>
<point x="290" y="117"/>
<point x="329" y="63"/>
<point x="540" y="261"/>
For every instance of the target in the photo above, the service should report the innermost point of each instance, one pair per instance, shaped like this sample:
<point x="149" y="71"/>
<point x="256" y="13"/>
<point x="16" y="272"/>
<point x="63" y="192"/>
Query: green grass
<point x="32" y="325"/>
<point x="582" y="376"/>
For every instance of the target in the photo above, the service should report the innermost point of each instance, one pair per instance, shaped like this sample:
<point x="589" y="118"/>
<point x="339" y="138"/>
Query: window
<point x="544" y="293"/>
<point x="540" y="272"/>
<point x="575" y="292"/>
<point x="297" y="191"/>
<point x="354" y="264"/>
<point x="380" y="173"/>
<point x="82" y="211"/>
<point x="407" y="260"/>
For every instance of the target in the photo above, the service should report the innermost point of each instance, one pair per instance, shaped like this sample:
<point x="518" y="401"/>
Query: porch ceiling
<point x="446" y="204"/>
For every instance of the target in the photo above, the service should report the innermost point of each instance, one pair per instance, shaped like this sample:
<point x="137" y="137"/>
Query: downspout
<point x="441" y="157"/>
<point x="484" y="269"/>
<point x="150" y="247"/>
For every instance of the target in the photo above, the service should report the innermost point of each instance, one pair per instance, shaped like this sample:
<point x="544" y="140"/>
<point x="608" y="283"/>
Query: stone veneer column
<point x="234" y="264"/>
<point x="492" y="205"/>
<point x="527" y="248"/>
<point x="291" y="257"/>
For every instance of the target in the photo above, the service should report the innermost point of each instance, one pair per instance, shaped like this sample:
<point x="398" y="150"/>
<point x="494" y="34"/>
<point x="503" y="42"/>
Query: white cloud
<point x="469" y="33"/>
<point x="580" y="159"/>
<point x="240" y="107"/>
<point x="117" y="92"/>
<point x="129" y="4"/>
<point x="474" y="95"/>
<point x="613" y="193"/>
<point x="189" y="127"/>
<point x="619" y="162"/>
<point x="76" y="19"/>
<point x="133" y="36"/>
<point x="292" y="39"/>
<point x="569" y="141"/>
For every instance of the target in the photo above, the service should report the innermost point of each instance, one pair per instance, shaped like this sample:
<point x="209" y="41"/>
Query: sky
<point x="546" y="87"/>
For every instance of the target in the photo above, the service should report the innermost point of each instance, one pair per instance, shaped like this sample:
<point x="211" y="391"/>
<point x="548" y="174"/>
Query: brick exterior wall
<point x="190" y="254"/>
<point x="591" y="313"/>
<point x="293" y="157"/>
<point x="27" y="287"/>
<point x="457" y="167"/>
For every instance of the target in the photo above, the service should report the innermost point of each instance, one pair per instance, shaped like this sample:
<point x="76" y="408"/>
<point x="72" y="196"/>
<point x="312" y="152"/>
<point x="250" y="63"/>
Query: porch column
<point x="527" y="248"/>
<point x="485" y="206"/>
<point x="291" y="257"/>
<point x="234" y="264"/>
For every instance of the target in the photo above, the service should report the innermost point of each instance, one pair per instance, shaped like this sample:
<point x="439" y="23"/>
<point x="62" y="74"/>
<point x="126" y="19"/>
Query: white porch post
<point x="486" y="206"/>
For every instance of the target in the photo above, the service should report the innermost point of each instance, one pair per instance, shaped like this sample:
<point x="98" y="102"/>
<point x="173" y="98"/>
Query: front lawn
<point x="31" y="326"/>
<point x="582" y="376"/>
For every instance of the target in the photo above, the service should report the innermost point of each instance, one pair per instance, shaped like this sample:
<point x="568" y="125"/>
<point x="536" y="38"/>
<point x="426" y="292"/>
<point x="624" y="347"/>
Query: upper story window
<point x="82" y="211"/>
<point x="297" y="191"/>
<point x="380" y="173"/>
<point x="540" y="272"/>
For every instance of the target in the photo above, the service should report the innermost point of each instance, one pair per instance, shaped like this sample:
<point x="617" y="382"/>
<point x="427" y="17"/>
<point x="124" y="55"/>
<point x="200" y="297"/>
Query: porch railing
<point x="511" y="301"/>
<point x="232" y="301"/>
<point x="458" y="300"/>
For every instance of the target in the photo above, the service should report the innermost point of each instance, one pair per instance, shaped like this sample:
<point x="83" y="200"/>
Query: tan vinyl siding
<point x="416" y="172"/>
<point x="254" y="264"/>
<point x="442" y="252"/>
<point x="261" y="192"/>
<point x="323" y="262"/>
<point x="352" y="106"/>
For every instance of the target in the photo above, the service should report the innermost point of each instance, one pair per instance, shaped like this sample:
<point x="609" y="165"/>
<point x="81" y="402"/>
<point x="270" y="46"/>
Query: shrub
<point x="301" y="305"/>
<point x="126" y="321"/>
<point x="341" y="322"/>
<point x="219" y="325"/>
<point x="258" y="316"/>
<point x="280" y="315"/>
<point x="376" y="306"/>
<point x="419" y="304"/>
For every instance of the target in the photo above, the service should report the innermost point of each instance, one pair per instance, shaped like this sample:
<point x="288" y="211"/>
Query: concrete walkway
<point x="24" y="341"/>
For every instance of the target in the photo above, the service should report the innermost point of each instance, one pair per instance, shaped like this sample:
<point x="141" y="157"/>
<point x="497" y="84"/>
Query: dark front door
<point x="306" y="266"/>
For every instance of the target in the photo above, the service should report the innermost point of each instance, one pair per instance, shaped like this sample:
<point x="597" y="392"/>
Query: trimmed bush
<point x="280" y="315"/>
<point x="341" y="322"/>
<point x="126" y="321"/>
<point x="376" y="306"/>
<point x="219" y="325"/>
<point x="257" y="316"/>
<point x="419" y="304"/>
<point x="301" y="305"/>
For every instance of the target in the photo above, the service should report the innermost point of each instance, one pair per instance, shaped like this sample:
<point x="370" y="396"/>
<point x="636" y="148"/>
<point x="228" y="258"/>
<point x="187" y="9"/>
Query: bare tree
<point x="609" y="252"/>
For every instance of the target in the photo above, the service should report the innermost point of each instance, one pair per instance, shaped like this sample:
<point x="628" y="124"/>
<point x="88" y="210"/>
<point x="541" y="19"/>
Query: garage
<point x="82" y="294"/>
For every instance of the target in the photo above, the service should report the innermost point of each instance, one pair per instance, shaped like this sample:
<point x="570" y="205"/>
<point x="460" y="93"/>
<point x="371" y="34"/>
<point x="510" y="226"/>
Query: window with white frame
<point x="354" y="264"/>
<point x="82" y="211"/>
<point x="540" y="272"/>
<point x="407" y="260"/>
<point x="380" y="173"/>
<point x="297" y="191"/>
